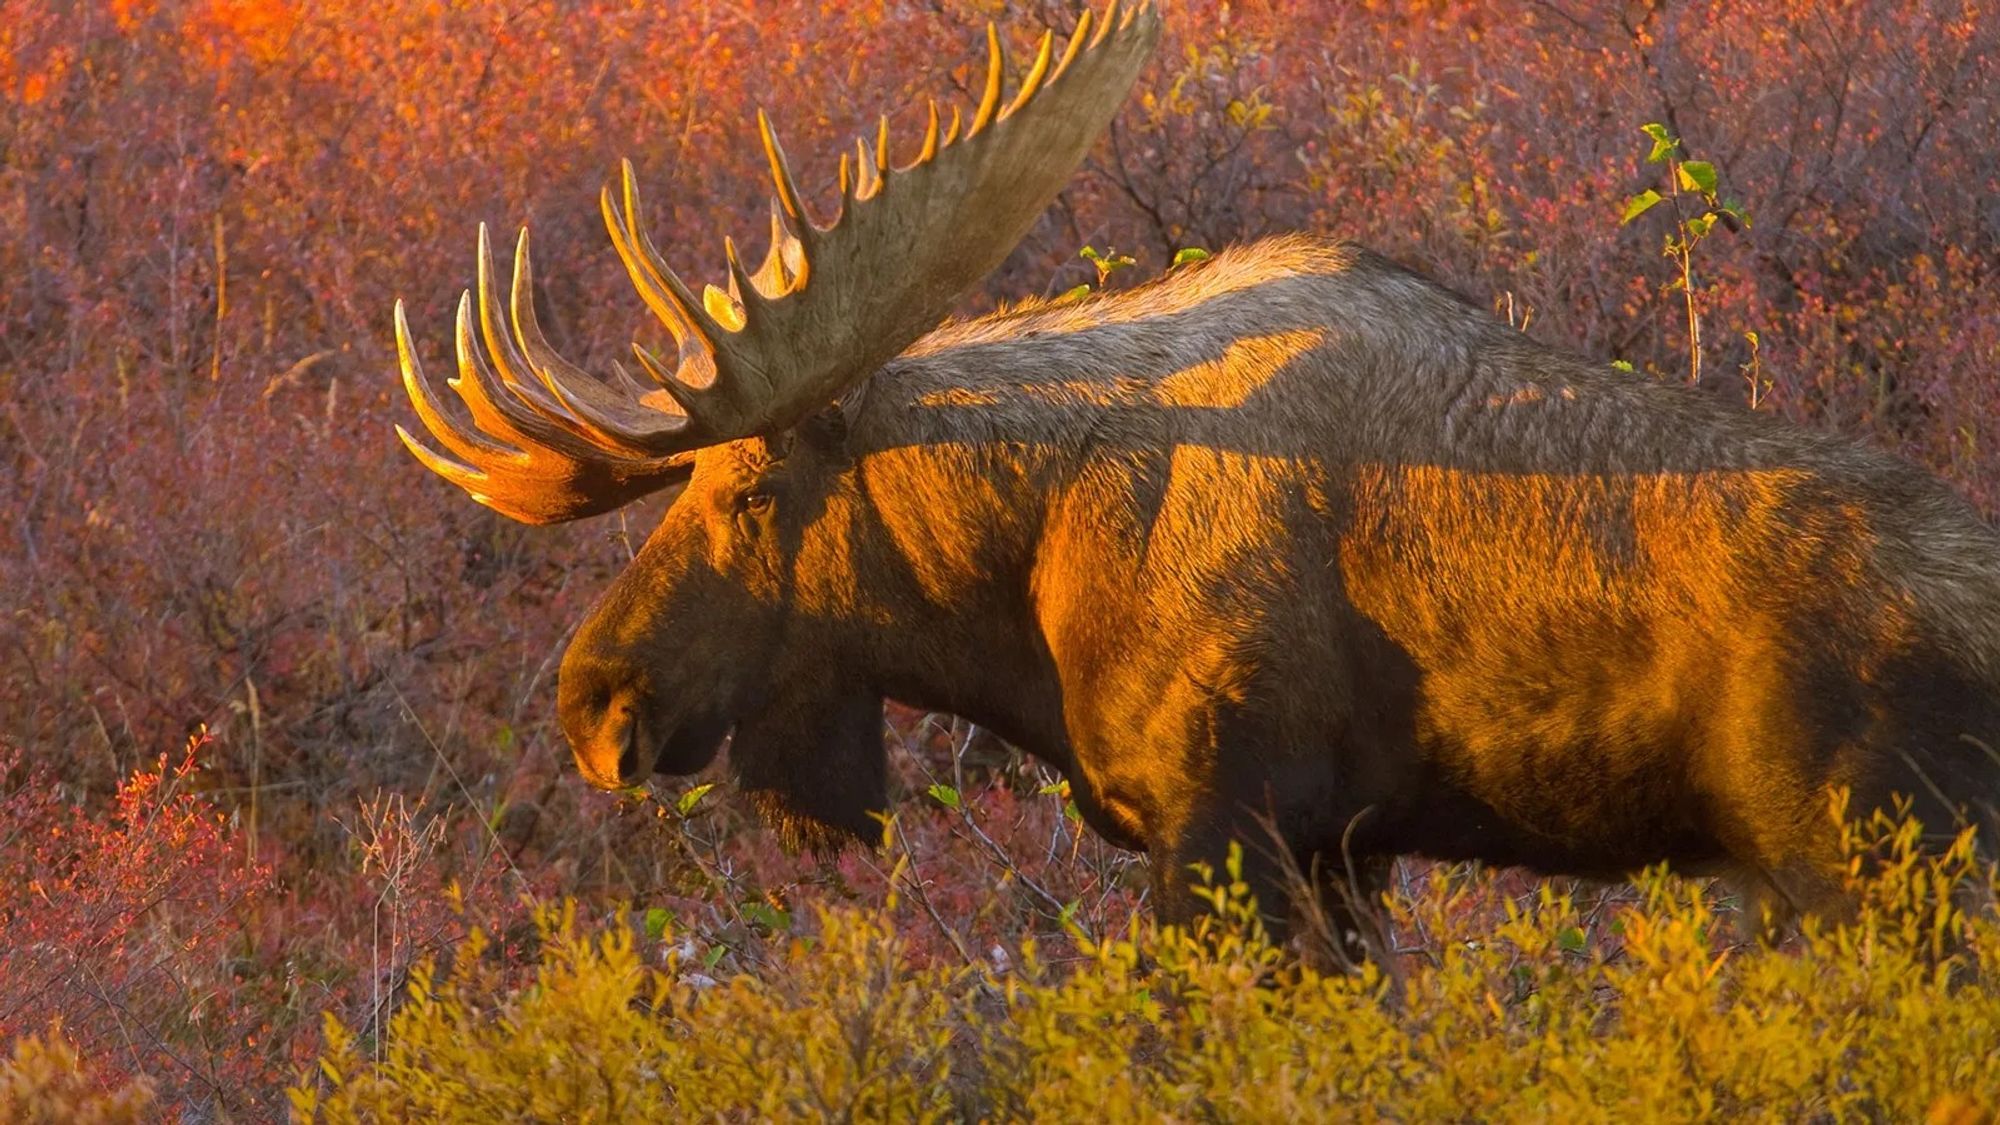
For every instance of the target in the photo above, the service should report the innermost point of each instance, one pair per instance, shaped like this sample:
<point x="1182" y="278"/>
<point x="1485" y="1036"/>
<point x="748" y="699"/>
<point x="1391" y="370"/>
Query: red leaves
<point x="121" y="921"/>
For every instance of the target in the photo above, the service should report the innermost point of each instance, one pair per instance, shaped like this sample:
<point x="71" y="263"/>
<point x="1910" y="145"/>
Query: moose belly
<point x="1602" y="679"/>
<point x="1602" y="810"/>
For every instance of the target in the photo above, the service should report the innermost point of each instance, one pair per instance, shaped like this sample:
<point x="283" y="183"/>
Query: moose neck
<point x="937" y="530"/>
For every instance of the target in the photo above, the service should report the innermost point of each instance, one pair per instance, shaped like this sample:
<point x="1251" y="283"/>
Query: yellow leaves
<point x="45" y="1079"/>
<point x="1249" y="113"/>
<point x="1510" y="1007"/>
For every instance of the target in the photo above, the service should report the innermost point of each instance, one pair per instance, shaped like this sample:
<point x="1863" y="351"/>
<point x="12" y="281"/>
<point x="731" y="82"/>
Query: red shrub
<point x="127" y="925"/>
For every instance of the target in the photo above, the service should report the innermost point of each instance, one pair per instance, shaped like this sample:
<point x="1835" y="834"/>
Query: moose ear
<point x="778" y="446"/>
<point x="825" y="431"/>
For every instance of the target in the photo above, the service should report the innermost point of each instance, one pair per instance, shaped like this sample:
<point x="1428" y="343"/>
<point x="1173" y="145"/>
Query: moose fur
<point x="1294" y="537"/>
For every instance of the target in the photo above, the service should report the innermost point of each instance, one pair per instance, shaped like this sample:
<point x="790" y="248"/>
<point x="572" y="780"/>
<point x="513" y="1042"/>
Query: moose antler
<point x="829" y="304"/>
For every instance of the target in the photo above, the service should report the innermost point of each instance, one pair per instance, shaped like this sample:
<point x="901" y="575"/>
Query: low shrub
<point x="128" y="925"/>
<point x="1518" y="1014"/>
<point x="45" y="1082"/>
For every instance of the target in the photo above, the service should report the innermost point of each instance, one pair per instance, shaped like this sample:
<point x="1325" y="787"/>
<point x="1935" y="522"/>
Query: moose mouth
<point x="640" y="752"/>
<point x="691" y="747"/>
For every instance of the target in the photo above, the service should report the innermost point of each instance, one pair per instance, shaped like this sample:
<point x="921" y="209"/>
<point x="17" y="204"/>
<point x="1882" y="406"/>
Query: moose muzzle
<point x="613" y="748"/>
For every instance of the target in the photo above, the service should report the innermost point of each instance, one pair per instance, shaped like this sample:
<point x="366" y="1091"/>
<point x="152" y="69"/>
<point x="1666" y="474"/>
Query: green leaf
<point x="714" y="954"/>
<point x="944" y="795"/>
<point x="1639" y="205"/>
<point x="1188" y="254"/>
<point x="1700" y="225"/>
<point x="1107" y="262"/>
<point x="767" y="916"/>
<point x="1624" y="365"/>
<point x="691" y="798"/>
<point x="1665" y="144"/>
<point x="1698" y="175"/>
<point x="1571" y="940"/>
<point x="1077" y="293"/>
<point x="658" y="918"/>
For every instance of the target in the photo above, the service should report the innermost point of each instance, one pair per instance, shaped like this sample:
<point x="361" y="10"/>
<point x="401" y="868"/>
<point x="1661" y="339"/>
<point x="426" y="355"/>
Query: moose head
<point x="756" y="604"/>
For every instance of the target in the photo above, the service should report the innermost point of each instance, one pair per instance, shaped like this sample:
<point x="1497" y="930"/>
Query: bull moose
<point x="1289" y="539"/>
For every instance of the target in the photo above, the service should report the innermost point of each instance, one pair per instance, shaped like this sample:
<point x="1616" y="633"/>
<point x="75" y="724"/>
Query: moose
<point x="1291" y="544"/>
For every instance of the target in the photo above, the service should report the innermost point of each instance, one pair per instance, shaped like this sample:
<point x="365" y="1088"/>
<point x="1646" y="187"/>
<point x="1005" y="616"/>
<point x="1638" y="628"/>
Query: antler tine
<point x="776" y="277"/>
<point x="494" y="410"/>
<point x="1076" y="41"/>
<point x="670" y="379"/>
<point x="631" y="386"/>
<point x="560" y="397"/>
<point x="843" y="184"/>
<point x="996" y="65"/>
<point x="1110" y="22"/>
<point x="468" y="444"/>
<point x="669" y="298"/>
<point x="867" y="181"/>
<point x="742" y="286"/>
<point x="930" y="146"/>
<point x="540" y="469"/>
<point x="1032" y="81"/>
<point x="516" y="373"/>
<point x="593" y="411"/>
<point x="781" y="179"/>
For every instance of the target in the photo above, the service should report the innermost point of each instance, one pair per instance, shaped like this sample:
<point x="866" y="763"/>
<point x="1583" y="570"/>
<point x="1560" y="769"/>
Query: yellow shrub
<point x="1505" y="1016"/>
<point x="45" y="1080"/>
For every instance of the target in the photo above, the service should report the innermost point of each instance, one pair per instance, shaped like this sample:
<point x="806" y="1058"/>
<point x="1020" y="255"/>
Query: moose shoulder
<point x="1292" y="538"/>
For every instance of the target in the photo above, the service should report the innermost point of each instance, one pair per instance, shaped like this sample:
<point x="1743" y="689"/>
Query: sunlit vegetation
<point x="1510" y="1012"/>
<point x="206" y="524"/>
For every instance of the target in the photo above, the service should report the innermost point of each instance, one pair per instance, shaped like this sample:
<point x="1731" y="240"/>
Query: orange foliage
<point x="261" y="29"/>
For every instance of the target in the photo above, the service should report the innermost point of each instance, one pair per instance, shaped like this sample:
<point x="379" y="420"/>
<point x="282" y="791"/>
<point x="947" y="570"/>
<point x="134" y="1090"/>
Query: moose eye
<point x="754" y="503"/>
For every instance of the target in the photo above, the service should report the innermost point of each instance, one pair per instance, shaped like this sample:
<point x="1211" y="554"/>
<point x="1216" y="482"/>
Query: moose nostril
<point x="631" y="770"/>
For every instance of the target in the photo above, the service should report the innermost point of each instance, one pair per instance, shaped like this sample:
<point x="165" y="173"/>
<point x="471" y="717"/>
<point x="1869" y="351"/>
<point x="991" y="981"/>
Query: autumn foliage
<point x="276" y="704"/>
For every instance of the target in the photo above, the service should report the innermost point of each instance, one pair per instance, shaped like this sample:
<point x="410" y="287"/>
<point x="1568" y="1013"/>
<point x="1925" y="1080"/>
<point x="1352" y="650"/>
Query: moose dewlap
<point x="1291" y="539"/>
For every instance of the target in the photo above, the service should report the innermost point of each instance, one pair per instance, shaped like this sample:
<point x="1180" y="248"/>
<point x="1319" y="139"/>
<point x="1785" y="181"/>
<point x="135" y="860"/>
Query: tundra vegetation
<point x="351" y="880"/>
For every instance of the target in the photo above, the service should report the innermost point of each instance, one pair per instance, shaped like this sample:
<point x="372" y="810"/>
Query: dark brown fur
<point x="1297" y="534"/>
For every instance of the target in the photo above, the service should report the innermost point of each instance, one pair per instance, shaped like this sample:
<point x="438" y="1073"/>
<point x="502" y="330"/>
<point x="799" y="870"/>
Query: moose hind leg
<point x="1780" y="887"/>
<point x="1773" y="900"/>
